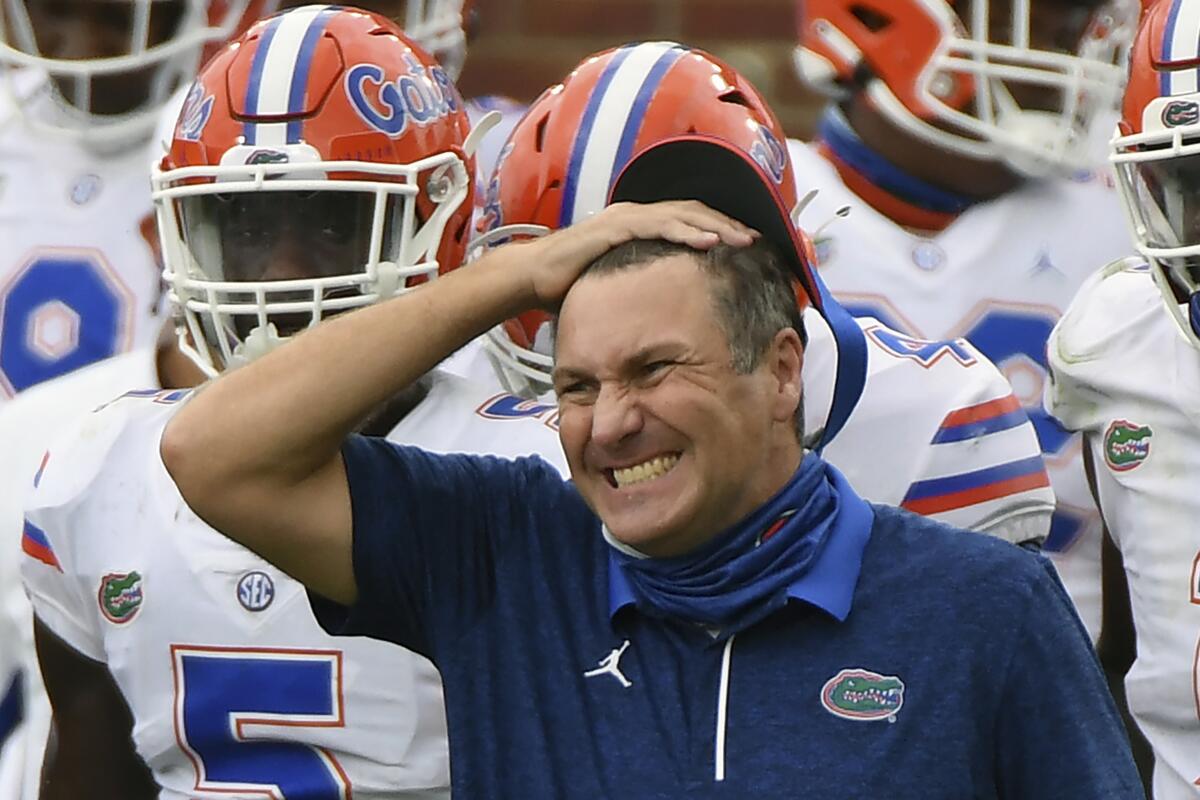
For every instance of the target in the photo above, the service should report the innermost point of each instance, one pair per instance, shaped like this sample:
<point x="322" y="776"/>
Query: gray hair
<point x="753" y="293"/>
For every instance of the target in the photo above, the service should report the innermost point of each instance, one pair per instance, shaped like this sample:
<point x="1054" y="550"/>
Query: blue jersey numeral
<point x="1004" y="334"/>
<point x="924" y="351"/>
<point x="61" y="311"/>
<point x="226" y="698"/>
<point x="507" y="406"/>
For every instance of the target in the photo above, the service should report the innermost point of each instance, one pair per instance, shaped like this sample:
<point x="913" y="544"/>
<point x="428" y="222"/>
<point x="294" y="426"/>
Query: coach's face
<point x="666" y="442"/>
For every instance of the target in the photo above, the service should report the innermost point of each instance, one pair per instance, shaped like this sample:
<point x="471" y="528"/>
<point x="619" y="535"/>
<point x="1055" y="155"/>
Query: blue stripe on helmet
<point x="571" y="184"/>
<point x="300" y="74"/>
<point x="633" y="123"/>
<point x="1164" y="78"/>
<point x="256" y="70"/>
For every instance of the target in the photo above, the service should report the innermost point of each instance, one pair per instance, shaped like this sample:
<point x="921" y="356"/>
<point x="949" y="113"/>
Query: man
<point x="1125" y="368"/>
<point x="960" y="137"/>
<point x="936" y="428"/>
<point x="162" y="643"/>
<point x="705" y="604"/>
<point x="81" y="82"/>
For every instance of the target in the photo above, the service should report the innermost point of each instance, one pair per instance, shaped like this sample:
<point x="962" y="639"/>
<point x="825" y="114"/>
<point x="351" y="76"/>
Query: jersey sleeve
<point x="982" y="468"/>
<point x="47" y="570"/>
<point x="1058" y="734"/>
<point x="1106" y="308"/>
<point x="429" y="531"/>
<point x="55" y="526"/>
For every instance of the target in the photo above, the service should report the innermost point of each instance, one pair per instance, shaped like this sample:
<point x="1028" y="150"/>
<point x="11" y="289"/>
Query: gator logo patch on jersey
<point x="862" y="695"/>
<point x="1126" y="444"/>
<point x="121" y="596"/>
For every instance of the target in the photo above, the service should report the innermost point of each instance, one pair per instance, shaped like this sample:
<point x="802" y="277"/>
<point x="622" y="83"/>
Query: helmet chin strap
<point x="261" y="341"/>
<point x="488" y="121"/>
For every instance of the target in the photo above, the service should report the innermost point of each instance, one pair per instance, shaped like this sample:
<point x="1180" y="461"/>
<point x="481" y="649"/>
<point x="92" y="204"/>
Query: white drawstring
<point x="722" y="702"/>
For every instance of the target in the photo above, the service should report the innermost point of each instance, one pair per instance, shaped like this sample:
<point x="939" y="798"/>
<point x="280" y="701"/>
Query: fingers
<point x="685" y="222"/>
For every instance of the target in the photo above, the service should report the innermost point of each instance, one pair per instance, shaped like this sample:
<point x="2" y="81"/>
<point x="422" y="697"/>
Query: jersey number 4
<point x="233" y="707"/>
<point x="1015" y="340"/>
<point x="62" y="310"/>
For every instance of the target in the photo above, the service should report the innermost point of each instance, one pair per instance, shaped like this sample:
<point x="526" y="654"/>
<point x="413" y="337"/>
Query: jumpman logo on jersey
<point x="611" y="665"/>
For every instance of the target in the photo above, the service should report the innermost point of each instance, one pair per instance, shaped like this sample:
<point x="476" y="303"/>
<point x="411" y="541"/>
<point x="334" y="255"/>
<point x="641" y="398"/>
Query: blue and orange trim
<point x="974" y="421"/>
<point x="953" y="492"/>
<point x="35" y="545"/>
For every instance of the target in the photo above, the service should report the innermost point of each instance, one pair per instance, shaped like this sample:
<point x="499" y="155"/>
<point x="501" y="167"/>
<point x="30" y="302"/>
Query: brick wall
<point x="523" y="46"/>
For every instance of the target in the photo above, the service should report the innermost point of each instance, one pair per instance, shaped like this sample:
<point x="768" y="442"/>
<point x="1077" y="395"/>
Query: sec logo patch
<point x="256" y="591"/>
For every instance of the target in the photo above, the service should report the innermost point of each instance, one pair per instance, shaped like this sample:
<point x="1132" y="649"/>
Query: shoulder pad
<point x="85" y="447"/>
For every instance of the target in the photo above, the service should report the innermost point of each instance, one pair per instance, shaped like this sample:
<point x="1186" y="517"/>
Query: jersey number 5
<point x="227" y="700"/>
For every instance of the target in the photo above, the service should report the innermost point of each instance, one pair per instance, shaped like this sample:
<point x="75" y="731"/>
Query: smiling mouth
<point x="640" y="473"/>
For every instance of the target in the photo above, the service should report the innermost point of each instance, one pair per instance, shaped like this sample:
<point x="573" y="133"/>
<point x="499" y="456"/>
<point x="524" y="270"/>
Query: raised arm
<point x="256" y="454"/>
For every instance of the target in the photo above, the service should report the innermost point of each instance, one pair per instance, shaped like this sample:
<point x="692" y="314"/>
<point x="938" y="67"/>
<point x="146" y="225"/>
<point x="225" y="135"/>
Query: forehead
<point x="607" y="318"/>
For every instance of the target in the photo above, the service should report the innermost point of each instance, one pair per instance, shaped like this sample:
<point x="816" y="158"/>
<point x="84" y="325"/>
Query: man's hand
<point x="555" y="261"/>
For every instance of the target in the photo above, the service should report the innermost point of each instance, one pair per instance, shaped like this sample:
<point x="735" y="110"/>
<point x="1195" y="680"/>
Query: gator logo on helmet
<point x="197" y="108"/>
<point x="491" y="212"/>
<point x="1181" y="112"/>
<point x="268" y="157"/>
<point x="863" y="695"/>
<point x="770" y="153"/>
<point x="1126" y="444"/>
<point x="121" y="596"/>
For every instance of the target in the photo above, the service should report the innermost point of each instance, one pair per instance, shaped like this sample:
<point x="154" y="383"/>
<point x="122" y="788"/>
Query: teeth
<point x="654" y="468"/>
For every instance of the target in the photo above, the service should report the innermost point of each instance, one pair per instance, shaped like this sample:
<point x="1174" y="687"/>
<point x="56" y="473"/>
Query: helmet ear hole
<point x="736" y="98"/>
<point x="872" y="19"/>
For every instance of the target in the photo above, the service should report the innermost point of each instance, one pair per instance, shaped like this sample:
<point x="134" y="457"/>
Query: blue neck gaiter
<point x="839" y="137"/>
<point x="742" y="575"/>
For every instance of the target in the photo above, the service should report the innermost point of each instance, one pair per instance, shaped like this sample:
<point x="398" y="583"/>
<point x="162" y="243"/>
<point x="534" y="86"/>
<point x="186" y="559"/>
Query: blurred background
<point x="522" y="46"/>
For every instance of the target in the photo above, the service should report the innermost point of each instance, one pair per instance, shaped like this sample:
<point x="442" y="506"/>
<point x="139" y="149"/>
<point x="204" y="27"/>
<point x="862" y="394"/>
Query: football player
<point x="937" y="428"/>
<point x="1126" y="372"/>
<point x="25" y="424"/>
<point x="320" y="164"/>
<point x="81" y="82"/>
<point x="961" y="136"/>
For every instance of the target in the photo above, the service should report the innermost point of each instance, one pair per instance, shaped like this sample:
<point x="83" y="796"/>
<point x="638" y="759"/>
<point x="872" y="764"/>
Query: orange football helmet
<point x="561" y="159"/>
<point x="1157" y="154"/>
<point x="160" y="50"/>
<point x="319" y="164"/>
<point x="1020" y="82"/>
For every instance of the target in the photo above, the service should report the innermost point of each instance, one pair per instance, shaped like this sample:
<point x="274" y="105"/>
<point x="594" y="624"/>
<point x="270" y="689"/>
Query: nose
<point x="616" y="416"/>
<point x="85" y="35"/>
<point x="288" y="260"/>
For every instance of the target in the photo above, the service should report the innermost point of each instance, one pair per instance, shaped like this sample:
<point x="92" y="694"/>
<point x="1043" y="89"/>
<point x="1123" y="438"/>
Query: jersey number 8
<point x="62" y="310"/>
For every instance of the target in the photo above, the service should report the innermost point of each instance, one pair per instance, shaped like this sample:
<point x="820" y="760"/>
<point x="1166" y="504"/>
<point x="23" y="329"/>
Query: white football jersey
<point x="1125" y="375"/>
<point x="1000" y="276"/>
<point x="936" y="430"/>
<point x="78" y="278"/>
<point x="228" y="674"/>
<point x="28" y="423"/>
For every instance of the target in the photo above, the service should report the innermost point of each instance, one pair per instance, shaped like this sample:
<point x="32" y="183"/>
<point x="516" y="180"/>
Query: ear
<point x="785" y="359"/>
